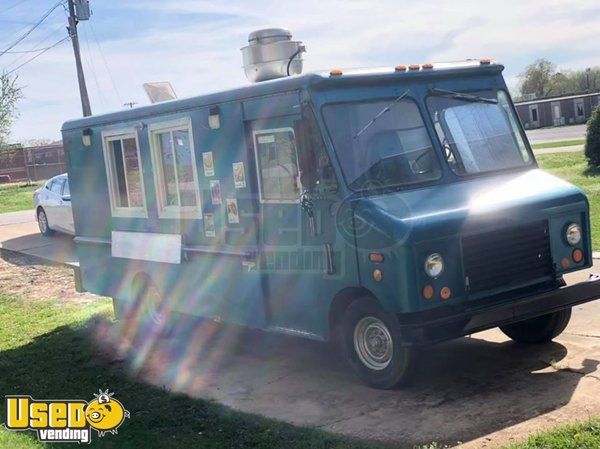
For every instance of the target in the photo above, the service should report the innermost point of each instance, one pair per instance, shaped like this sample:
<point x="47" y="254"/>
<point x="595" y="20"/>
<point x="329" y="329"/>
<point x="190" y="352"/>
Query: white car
<point x="52" y="204"/>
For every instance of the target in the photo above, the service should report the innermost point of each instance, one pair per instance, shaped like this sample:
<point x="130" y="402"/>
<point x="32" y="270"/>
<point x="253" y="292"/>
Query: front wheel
<point x="541" y="329"/>
<point x="372" y="345"/>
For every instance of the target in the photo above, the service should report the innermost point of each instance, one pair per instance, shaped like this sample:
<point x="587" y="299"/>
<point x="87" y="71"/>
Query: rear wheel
<point x="541" y="329"/>
<point x="144" y="313"/>
<point x="42" y="220"/>
<point x="372" y="345"/>
<point x="148" y="303"/>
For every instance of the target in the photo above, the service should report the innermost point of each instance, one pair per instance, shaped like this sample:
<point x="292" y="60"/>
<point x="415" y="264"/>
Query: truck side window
<point x="122" y="159"/>
<point x="175" y="169"/>
<point x="277" y="165"/>
<point x="317" y="173"/>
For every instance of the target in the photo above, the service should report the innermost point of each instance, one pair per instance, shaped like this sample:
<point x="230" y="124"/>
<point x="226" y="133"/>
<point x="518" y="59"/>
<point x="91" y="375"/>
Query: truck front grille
<point x="507" y="258"/>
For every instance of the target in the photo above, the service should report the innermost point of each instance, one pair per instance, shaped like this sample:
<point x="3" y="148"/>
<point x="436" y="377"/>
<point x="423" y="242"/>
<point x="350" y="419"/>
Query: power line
<point x="35" y="50"/>
<point x="35" y="25"/>
<point x="90" y="62"/>
<point x="112" y="80"/>
<point x="38" y="43"/>
<point x="39" y="54"/>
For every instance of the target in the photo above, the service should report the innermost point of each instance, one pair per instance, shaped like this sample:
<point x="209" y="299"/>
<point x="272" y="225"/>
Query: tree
<point x="10" y="94"/>
<point x="538" y="78"/>
<point x="592" y="143"/>
<point x="542" y="80"/>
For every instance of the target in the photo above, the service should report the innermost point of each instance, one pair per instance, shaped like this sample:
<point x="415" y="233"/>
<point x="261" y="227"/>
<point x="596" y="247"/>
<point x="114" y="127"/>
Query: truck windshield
<point x="478" y="135"/>
<point x="392" y="150"/>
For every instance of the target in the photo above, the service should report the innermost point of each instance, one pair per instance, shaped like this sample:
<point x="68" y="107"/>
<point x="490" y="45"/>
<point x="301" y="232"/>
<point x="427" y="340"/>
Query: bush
<point x="592" y="142"/>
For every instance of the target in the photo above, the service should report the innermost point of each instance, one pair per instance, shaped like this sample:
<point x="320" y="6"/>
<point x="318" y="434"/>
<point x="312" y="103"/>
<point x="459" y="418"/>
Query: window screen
<point x="278" y="165"/>
<point x="177" y="168"/>
<point x="127" y="176"/>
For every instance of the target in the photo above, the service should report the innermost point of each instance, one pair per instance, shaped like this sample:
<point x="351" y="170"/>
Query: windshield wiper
<point x="463" y="96"/>
<point x="380" y="113"/>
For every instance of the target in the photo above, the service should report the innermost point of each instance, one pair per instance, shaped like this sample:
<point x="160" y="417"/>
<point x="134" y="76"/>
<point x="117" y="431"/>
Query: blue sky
<point x="195" y="44"/>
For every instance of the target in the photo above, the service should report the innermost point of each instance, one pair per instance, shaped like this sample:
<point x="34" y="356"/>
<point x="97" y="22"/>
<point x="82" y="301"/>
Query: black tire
<point x="541" y="329"/>
<point x="396" y="367"/>
<point x="43" y="225"/>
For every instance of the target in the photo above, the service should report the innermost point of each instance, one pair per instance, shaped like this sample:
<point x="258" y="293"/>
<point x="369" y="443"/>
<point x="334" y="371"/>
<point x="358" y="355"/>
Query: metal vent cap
<point x="272" y="54"/>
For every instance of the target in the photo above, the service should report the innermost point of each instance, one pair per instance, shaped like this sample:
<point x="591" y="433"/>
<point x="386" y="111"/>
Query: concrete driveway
<point x="19" y="232"/>
<point x="482" y="390"/>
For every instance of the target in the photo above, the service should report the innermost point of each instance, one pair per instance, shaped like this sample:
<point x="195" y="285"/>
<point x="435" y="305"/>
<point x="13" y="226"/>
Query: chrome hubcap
<point x="373" y="343"/>
<point x="42" y="221"/>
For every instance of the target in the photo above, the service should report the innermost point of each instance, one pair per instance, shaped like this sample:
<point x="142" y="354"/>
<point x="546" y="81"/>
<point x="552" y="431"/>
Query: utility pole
<point x="85" y="99"/>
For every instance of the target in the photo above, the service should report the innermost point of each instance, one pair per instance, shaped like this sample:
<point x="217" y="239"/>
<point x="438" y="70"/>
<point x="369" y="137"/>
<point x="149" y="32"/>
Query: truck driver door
<point x="298" y="248"/>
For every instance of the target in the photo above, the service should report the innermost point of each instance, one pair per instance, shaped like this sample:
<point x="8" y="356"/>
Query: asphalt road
<point x="483" y="390"/>
<point x="556" y="134"/>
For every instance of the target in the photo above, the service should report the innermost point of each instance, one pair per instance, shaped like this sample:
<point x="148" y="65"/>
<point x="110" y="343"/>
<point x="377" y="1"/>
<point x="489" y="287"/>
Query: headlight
<point x="573" y="234"/>
<point x="434" y="265"/>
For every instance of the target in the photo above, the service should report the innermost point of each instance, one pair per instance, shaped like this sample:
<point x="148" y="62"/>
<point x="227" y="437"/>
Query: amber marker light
<point x="445" y="293"/>
<point x="336" y="72"/>
<point x="485" y="61"/>
<point x="377" y="275"/>
<point x="376" y="257"/>
<point x="400" y="68"/>
<point x="565" y="263"/>
<point x="414" y="67"/>
<point x="577" y="255"/>
<point x="429" y="65"/>
<point x="428" y="292"/>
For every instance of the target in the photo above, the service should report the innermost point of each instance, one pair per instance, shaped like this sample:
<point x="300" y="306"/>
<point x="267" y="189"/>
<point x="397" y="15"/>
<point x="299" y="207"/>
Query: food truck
<point x="385" y="209"/>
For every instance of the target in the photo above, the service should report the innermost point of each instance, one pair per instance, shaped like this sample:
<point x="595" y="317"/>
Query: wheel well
<point x="126" y="295"/>
<point x="340" y="303"/>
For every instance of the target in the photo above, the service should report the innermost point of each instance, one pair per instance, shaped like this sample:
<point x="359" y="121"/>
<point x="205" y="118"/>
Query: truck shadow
<point x="463" y="389"/>
<point x="58" y="249"/>
<point x="63" y="364"/>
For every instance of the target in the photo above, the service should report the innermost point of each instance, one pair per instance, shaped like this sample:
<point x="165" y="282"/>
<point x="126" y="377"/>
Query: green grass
<point x="562" y="143"/>
<point x="572" y="167"/>
<point x="17" y="196"/>
<point x="577" y="436"/>
<point x="45" y="352"/>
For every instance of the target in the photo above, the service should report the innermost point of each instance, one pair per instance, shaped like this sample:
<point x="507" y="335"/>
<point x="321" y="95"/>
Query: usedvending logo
<point x="68" y="420"/>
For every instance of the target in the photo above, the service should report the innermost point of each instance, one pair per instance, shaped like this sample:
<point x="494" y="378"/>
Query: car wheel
<point x="541" y="329"/>
<point x="42" y="220"/>
<point x="372" y="345"/>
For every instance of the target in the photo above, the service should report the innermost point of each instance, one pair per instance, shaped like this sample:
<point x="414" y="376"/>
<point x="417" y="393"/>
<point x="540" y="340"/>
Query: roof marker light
<point x="485" y="61"/>
<point x="336" y="72"/>
<point x="400" y="68"/>
<point x="428" y="65"/>
<point x="414" y="67"/>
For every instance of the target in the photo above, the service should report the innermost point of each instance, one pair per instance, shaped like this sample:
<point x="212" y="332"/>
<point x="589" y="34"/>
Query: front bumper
<point x="451" y="322"/>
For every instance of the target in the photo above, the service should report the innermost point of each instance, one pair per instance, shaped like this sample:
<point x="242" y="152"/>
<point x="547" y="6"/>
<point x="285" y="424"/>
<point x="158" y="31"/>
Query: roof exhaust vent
<point x="271" y="54"/>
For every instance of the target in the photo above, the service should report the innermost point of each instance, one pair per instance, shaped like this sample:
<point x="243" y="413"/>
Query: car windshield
<point x="478" y="131"/>
<point x="382" y="143"/>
